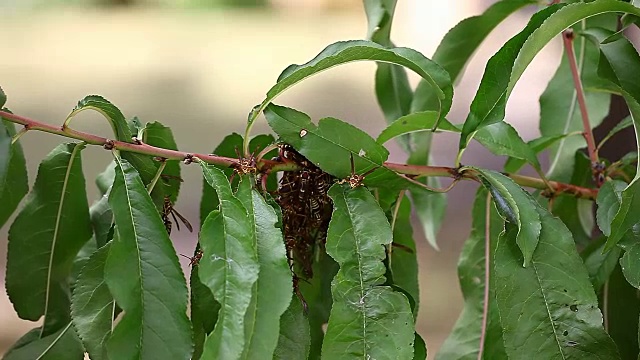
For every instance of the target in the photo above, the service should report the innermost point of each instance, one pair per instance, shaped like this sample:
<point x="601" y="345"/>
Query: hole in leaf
<point x="565" y="290"/>
<point x="571" y="343"/>
<point x="565" y="333"/>
<point x="574" y="308"/>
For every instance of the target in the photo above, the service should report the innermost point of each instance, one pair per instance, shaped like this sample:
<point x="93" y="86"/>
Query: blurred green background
<point x="199" y="66"/>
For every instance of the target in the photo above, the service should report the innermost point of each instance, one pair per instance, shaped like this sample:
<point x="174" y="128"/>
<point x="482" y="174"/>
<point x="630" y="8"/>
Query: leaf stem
<point x="567" y="37"/>
<point x="154" y="181"/>
<point x="411" y="171"/>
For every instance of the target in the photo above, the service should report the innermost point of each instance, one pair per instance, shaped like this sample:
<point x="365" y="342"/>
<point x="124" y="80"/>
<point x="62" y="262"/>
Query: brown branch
<point x="411" y="171"/>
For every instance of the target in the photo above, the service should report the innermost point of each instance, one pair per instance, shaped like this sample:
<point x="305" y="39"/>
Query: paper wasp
<point x="167" y="209"/>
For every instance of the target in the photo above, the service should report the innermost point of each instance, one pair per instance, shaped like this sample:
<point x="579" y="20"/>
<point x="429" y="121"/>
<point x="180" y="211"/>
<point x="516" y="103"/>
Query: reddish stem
<point x="264" y="165"/>
<point x="567" y="37"/>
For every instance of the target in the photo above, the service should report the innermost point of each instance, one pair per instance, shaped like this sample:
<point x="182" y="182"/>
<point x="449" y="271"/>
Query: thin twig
<point x="411" y="171"/>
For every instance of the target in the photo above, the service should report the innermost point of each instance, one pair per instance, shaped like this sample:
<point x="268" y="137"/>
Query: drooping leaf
<point x="419" y="348"/>
<point x="419" y="121"/>
<point x="623" y="124"/>
<point x="459" y="44"/>
<point x="430" y="207"/>
<point x="295" y="340"/>
<point x="111" y="113"/>
<point x="62" y="344"/>
<point x="502" y="139"/>
<point x="14" y="183"/>
<point x="349" y="51"/>
<point x="144" y="276"/>
<point x="101" y="221"/>
<point x="393" y="90"/>
<point x="45" y="238"/>
<point x="204" y="311"/>
<point x="330" y="145"/>
<point x="104" y="180"/>
<point x="559" y="110"/>
<point x="404" y="262"/>
<point x="227" y="148"/>
<point x="630" y="263"/>
<point x="577" y="213"/>
<point x="317" y="295"/>
<point x="453" y="53"/>
<point x="229" y="267"/>
<point x="156" y="134"/>
<point x="3" y="98"/>
<point x="517" y="207"/>
<point x="619" y="59"/>
<point x="608" y="200"/>
<point x="272" y="291"/>
<point x="514" y="164"/>
<point x="622" y="312"/>
<point x="549" y="308"/>
<point x="367" y="320"/>
<point x="92" y="306"/>
<point x="464" y="340"/>
<point x="599" y="265"/>
<point x="509" y="63"/>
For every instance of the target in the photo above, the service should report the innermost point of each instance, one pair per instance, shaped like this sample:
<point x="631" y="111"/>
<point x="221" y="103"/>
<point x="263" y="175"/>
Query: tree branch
<point x="411" y="171"/>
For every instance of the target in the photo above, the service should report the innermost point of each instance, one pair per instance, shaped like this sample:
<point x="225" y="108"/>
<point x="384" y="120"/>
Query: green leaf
<point x="507" y="65"/>
<point x="204" y="310"/>
<point x="549" y="308"/>
<point x="113" y="115"/>
<point x="101" y="221"/>
<point x="229" y="267"/>
<point x="514" y="164"/>
<point x="619" y="60"/>
<point x="3" y="98"/>
<point x="517" y="207"/>
<point x="209" y="200"/>
<point x="459" y="44"/>
<point x="330" y="145"/>
<point x="576" y="213"/>
<point x="419" y="121"/>
<point x="295" y="340"/>
<point x="92" y="306"/>
<point x="62" y="344"/>
<point x="622" y="313"/>
<point x="227" y="148"/>
<point x="45" y="238"/>
<point x="349" y="51"/>
<point x="599" y="264"/>
<point x="623" y="124"/>
<point x="367" y="320"/>
<point x="609" y="198"/>
<point x="14" y="183"/>
<point x="464" y="340"/>
<point x="144" y="276"/>
<point x="404" y="262"/>
<point x="502" y="139"/>
<point x="559" y="110"/>
<point x="104" y="180"/>
<point x="156" y="134"/>
<point x="430" y="209"/>
<point x="272" y="291"/>
<point x="630" y="263"/>
<point x="317" y="295"/>
<point x="393" y="90"/>
<point x="419" y="348"/>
